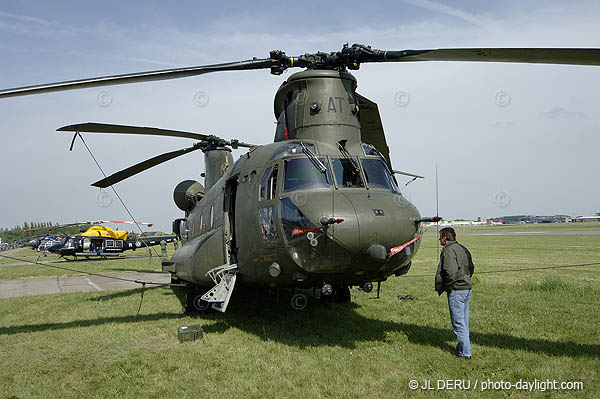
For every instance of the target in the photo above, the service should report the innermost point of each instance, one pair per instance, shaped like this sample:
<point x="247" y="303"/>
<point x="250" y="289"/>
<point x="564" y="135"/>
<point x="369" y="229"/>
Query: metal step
<point x="224" y="278"/>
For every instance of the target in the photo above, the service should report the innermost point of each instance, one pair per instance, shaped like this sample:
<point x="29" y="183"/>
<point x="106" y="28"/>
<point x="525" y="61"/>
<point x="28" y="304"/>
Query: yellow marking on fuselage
<point x="106" y="232"/>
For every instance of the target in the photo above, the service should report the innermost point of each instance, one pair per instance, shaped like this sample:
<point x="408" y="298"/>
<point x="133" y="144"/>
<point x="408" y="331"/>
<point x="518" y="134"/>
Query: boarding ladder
<point x="224" y="277"/>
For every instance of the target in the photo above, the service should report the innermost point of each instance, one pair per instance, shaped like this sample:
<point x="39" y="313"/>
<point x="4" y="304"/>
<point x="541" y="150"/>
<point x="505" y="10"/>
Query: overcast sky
<point x="508" y="138"/>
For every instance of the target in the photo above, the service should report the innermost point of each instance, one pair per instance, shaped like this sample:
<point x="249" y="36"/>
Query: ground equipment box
<point x="190" y="333"/>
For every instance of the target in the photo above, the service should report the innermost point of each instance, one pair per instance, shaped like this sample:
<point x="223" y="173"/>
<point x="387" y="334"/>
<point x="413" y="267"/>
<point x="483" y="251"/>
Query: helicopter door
<point x="267" y="207"/>
<point x="229" y="221"/>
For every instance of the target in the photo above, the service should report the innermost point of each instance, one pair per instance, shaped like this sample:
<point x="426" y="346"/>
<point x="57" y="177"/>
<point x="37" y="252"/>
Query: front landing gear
<point x="335" y="293"/>
<point x="194" y="304"/>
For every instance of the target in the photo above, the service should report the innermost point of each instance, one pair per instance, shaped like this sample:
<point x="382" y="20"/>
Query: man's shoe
<point x="464" y="357"/>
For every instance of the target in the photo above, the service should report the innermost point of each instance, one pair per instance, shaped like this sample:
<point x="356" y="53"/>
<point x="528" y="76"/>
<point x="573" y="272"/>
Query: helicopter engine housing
<point x="187" y="194"/>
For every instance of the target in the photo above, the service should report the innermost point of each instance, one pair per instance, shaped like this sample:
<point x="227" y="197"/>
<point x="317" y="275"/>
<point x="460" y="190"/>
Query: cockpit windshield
<point x="346" y="173"/>
<point x="301" y="173"/>
<point x="378" y="174"/>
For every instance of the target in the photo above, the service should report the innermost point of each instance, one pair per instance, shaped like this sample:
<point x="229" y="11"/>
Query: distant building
<point x="525" y="219"/>
<point x="587" y="218"/>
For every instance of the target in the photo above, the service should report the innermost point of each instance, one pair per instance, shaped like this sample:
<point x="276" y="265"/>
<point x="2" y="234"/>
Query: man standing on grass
<point x="454" y="277"/>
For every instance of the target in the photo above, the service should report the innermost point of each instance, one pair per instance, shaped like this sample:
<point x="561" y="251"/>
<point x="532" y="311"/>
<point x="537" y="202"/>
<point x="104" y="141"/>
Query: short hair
<point x="448" y="233"/>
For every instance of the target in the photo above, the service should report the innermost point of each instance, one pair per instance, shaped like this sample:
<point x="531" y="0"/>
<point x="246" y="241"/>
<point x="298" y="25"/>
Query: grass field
<point x="128" y="261"/>
<point x="529" y="325"/>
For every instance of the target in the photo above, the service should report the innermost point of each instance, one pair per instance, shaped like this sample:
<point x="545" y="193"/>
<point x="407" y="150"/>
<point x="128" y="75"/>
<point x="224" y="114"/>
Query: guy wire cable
<point x="117" y="194"/>
<point x="437" y="210"/>
<point x="143" y="283"/>
<point x="84" y="272"/>
<point x="516" y="270"/>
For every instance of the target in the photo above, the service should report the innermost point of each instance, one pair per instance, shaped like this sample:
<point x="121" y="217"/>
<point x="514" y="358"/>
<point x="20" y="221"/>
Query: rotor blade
<point x="163" y="74"/>
<point x="572" y="56"/>
<point x="123" y="221"/>
<point x="371" y="128"/>
<point x="142" y="166"/>
<point x="91" y="127"/>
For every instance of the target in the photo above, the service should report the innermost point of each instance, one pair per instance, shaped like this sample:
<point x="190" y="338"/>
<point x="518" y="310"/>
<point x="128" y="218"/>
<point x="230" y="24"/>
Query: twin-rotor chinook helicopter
<point x="319" y="207"/>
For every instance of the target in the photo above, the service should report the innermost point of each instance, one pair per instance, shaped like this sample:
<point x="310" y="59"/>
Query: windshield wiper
<point x="313" y="159"/>
<point x="342" y="147"/>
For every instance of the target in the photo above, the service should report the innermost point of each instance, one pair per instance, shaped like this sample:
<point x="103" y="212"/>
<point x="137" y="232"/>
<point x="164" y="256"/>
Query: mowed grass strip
<point x="529" y="325"/>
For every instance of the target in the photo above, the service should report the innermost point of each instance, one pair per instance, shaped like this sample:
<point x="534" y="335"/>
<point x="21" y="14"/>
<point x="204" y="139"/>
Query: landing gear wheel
<point x="199" y="304"/>
<point x="193" y="301"/>
<point x="299" y="301"/>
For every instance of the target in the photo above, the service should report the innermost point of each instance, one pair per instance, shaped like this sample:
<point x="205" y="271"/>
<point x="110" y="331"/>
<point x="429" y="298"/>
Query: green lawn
<point x="128" y="261"/>
<point x="582" y="226"/>
<point x="541" y="324"/>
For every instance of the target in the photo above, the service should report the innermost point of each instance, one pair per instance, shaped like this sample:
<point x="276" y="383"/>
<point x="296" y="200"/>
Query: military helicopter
<point x="320" y="206"/>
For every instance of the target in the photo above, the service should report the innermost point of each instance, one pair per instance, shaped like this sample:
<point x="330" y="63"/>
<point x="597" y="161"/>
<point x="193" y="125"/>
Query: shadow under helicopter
<point x="321" y="325"/>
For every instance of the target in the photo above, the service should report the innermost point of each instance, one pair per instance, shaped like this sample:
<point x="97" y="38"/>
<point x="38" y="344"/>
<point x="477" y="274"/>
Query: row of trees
<point x="32" y="230"/>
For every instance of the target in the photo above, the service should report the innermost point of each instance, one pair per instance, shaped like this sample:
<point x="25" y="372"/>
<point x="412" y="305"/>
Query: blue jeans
<point x="458" y="302"/>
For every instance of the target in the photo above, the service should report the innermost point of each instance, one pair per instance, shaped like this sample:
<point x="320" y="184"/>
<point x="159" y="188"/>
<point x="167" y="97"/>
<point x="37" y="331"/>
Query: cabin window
<point x="183" y="230"/>
<point x="368" y="149"/>
<point x="268" y="184"/>
<point x="378" y="174"/>
<point x="119" y="243"/>
<point x="266" y="224"/>
<point x="110" y="243"/>
<point x="346" y="173"/>
<point x="293" y="148"/>
<point x="301" y="173"/>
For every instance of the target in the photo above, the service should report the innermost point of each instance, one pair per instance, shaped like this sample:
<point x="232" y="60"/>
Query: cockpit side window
<point x="378" y="175"/>
<point x="268" y="184"/>
<point x="301" y="173"/>
<point x="346" y="174"/>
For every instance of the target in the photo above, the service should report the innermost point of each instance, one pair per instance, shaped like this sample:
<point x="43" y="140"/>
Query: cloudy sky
<point x="508" y="138"/>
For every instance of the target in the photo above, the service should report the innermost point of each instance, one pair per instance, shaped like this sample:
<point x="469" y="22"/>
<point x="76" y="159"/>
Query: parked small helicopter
<point x="43" y="243"/>
<point x="103" y="242"/>
<point x="320" y="206"/>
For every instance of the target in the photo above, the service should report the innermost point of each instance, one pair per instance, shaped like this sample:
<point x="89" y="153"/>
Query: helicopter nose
<point x="366" y="223"/>
<point x="385" y="220"/>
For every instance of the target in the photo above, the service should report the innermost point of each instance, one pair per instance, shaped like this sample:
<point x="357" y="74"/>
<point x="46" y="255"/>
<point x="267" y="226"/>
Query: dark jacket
<point x="455" y="269"/>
